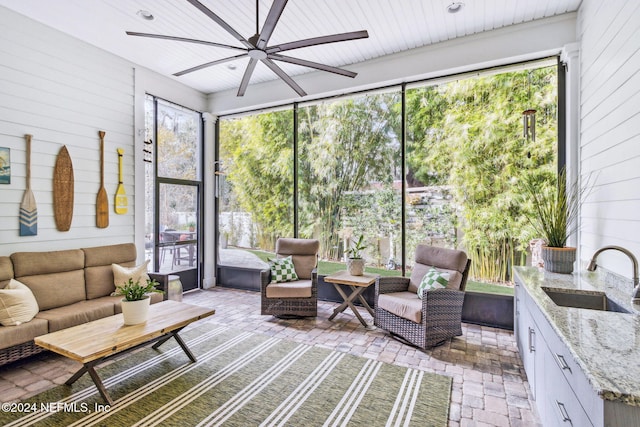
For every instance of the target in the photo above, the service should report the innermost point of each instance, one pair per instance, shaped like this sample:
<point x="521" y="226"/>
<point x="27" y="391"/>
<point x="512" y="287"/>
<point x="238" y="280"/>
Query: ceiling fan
<point x="257" y="49"/>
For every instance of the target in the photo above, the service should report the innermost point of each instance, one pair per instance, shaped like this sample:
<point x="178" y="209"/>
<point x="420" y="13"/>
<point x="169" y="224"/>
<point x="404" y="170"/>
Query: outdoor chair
<point x="284" y="297"/>
<point x="436" y="317"/>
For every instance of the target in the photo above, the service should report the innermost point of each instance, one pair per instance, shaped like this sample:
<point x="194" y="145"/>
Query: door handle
<point x="562" y="362"/>
<point x="532" y="347"/>
<point x="563" y="412"/>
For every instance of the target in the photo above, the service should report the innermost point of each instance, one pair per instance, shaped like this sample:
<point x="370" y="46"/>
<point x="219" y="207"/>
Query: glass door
<point x="173" y="208"/>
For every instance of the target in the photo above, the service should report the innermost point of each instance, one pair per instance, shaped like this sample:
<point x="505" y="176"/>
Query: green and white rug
<point x="242" y="379"/>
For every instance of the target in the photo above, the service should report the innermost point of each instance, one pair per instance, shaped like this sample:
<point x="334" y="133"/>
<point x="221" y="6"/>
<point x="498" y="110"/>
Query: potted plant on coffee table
<point x="355" y="262"/>
<point x="554" y="218"/>
<point x="136" y="301"/>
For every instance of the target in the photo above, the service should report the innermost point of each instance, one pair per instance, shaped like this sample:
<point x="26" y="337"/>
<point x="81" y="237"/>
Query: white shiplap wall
<point x="610" y="129"/>
<point x="62" y="91"/>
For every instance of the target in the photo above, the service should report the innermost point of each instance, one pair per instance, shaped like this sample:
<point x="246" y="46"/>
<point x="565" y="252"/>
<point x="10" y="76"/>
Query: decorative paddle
<point x="63" y="185"/>
<point x="28" y="208"/>
<point x="102" y="202"/>
<point x="121" y="197"/>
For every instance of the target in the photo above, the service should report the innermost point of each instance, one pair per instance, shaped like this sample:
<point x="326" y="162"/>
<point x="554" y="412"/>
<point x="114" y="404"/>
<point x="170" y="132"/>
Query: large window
<point x="350" y="176"/>
<point x="256" y="201"/>
<point x="464" y="154"/>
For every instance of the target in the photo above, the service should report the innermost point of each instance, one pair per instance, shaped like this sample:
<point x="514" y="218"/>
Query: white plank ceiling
<point x="393" y="26"/>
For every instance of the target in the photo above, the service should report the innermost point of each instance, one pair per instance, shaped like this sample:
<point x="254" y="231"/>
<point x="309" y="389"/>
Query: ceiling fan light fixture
<point x="145" y="14"/>
<point x="257" y="54"/>
<point x="455" y="7"/>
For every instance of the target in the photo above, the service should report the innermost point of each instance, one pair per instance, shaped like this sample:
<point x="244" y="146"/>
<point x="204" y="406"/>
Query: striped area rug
<point x="243" y="379"/>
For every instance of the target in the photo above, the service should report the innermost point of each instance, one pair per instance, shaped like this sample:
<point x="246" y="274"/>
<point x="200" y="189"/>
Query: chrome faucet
<point x="635" y="297"/>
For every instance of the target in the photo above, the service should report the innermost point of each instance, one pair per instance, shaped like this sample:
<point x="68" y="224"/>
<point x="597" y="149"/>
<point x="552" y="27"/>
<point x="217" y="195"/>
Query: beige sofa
<point x="71" y="287"/>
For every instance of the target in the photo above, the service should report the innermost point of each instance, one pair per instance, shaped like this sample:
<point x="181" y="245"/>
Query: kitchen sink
<point x="592" y="300"/>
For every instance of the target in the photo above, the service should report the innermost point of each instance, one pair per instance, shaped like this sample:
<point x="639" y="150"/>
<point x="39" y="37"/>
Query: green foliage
<point x="554" y="210"/>
<point x="134" y="291"/>
<point x="344" y="146"/>
<point x="467" y="134"/>
<point x="356" y="249"/>
<point x="257" y="153"/>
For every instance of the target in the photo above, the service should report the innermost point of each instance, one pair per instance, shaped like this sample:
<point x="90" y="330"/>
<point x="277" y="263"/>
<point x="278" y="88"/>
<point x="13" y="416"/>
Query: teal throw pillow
<point x="282" y="270"/>
<point x="434" y="279"/>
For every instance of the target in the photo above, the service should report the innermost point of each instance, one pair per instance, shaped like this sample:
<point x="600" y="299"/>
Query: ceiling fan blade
<point x="182" y="39"/>
<point x="247" y="76"/>
<point x="284" y="76"/>
<point x="221" y="22"/>
<point x="208" y="64"/>
<point x="270" y="23"/>
<point x="354" y="35"/>
<point x="312" y="64"/>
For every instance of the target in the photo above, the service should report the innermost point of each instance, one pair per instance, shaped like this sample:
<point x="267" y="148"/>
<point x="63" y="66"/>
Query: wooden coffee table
<point x="357" y="284"/>
<point x="95" y="342"/>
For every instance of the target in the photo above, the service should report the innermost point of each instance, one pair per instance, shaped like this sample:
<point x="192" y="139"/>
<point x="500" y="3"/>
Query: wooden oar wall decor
<point x="28" y="208"/>
<point x="63" y="190"/>
<point x="121" y="197"/>
<point x="102" y="201"/>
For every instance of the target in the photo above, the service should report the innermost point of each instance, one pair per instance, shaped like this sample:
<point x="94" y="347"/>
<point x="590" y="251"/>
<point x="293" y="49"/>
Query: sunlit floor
<point x="489" y="384"/>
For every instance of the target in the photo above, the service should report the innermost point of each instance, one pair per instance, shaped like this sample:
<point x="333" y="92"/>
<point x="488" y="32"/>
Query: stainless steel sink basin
<point x="591" y="300"/>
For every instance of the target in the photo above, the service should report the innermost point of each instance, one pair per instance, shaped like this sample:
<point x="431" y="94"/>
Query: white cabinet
<point x="561" y="390"/>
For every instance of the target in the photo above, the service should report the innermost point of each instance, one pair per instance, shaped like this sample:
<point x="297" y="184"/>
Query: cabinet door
<point x="525" y="332"/>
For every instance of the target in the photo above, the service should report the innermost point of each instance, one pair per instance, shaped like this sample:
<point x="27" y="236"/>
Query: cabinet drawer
<point x="561" y="406"/>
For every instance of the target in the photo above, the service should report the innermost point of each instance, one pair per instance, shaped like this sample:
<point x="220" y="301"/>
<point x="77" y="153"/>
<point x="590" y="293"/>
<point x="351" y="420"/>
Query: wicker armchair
<point x="298" y="298"/>
<point x="436" y="317"/>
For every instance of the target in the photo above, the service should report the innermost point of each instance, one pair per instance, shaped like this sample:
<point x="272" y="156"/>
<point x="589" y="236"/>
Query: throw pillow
<point x="122" y="274"/>
<point x="17" y="304"/>
<point x="282" y="270"/>
<point x="434" y="279"/>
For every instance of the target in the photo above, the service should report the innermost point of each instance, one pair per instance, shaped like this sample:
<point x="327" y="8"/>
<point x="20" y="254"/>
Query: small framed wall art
<point x="5" y="165"/>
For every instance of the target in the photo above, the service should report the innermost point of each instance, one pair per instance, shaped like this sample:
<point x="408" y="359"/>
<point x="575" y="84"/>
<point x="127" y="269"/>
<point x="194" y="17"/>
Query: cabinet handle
<point x="561" y="362"/>
<point x="517" y="306"/>
<point x="532" y="346"/>
<point x="563" y="412"/>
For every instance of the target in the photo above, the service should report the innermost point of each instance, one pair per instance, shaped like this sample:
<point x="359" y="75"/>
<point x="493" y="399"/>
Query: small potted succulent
<point x="136" y="301"/>
<point x="355" y="262"/>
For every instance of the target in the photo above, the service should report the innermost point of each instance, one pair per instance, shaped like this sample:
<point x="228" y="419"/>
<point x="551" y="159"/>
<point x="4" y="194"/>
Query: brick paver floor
<point x="489" y="384"/>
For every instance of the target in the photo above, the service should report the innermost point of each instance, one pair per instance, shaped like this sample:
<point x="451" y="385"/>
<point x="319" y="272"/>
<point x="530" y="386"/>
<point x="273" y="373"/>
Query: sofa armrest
<point x="163" y="280"/>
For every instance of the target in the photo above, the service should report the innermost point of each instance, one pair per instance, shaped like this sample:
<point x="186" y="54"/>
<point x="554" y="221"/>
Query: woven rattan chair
<point x="436" y="317"/>
<point x="298" y="298"/>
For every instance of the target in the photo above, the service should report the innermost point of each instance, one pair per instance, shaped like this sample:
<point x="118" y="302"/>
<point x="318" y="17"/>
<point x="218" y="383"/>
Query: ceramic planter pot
<point x="355" y="266"/>
<point x="135" y="312"/>
<point x="558" y="260"/>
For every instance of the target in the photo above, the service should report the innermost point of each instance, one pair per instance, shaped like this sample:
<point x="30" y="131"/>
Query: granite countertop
<point x="605" y="344"/>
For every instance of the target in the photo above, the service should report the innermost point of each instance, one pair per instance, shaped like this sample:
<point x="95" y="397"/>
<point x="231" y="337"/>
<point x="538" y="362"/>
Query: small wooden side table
<point x="357" y="284"/>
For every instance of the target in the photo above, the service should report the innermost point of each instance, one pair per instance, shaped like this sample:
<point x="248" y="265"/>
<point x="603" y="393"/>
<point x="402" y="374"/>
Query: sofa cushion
<point x="297" y="289"/>
<point x="6" y="271"/>
<point x="303" y="251"/>
<point x="446" y="260"/>
<point x="282" y="270"/>
<point x="112" y="254"/>
<point x="33" y="263"/>
<point x="98" y="273"/>
<point x="56" y="289"/>
<point x="17" y="304"/>
<point x="434" y="279"/>
<point x="78" y="313"/>
<point x="121" y="274"/>
<point x="403" y="304"/>
<point x="25" y="332"/>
